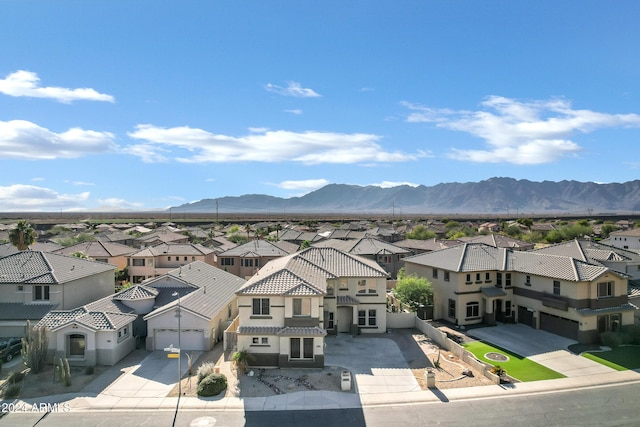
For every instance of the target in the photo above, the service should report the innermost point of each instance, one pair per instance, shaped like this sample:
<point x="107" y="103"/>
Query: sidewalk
<point x="317" y="400"/>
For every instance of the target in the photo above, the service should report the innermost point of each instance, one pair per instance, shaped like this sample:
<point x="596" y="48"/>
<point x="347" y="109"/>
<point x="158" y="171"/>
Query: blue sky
<point x="109" y="105"/>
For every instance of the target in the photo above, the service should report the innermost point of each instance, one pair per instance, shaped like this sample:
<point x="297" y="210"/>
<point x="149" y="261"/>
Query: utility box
<point x="345" y="381"/>
<point x="430" y="376"/>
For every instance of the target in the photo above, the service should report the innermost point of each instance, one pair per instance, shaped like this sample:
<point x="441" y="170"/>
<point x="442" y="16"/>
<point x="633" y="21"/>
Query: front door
<point x="345" y="319"/>
<point x="498" y="311"/>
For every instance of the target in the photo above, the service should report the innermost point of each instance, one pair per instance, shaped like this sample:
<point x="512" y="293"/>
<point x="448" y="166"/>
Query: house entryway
<point x="345" y="319"/>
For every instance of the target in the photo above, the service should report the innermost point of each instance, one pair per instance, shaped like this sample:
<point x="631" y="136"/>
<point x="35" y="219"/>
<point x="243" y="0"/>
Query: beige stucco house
<point x="288" y="307"/>
<point x="478" y="283"/>
<point x="160" y="259"/>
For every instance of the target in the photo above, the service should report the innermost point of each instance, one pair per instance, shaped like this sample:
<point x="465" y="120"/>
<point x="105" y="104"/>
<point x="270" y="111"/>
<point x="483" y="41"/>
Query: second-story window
<point x="365" y="287"/>
<point x="556" y="287"/>
<point x="446" y="276"/>
<point x="41" y="293"/>
<point x="302" y="307"/>
<point x="260" y="306"/>
<point x="435" y="273"/>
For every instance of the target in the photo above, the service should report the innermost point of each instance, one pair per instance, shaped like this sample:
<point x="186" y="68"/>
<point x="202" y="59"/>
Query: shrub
<point x="631" y="334"/>
<point x="15" y="377"/>
<point x="12" y="391"/>
<point x="611" y="339"/>
<point x="212" y="385"/>
<point x="205" y="370"/>
<point x="89" y="370"/>
<point x="498" y="370"/>
<point x="242" y="360"/>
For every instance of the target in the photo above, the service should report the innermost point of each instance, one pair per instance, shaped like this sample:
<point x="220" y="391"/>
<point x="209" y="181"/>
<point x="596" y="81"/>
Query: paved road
<point x="583" y="407"/>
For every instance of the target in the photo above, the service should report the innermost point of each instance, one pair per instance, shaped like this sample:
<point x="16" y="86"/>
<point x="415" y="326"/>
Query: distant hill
<point x="495" y="195"/>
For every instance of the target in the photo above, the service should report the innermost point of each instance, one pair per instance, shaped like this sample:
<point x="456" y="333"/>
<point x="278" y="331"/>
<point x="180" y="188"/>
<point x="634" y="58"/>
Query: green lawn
<point x="620" y="358"/>
<point x="517" y="366"/>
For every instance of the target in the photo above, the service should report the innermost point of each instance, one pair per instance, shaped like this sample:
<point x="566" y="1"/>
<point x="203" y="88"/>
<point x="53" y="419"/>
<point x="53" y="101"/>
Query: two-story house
<point x="287" y="308"/>
<point x="387" y="255"/>
<point x="160" y="259"/>
<point x="32" y="283"/>
<point x="107" y="252"/>
<point x="625" y="239"/>
<point x="478" y="283"/>
<point x="246" y="259"/>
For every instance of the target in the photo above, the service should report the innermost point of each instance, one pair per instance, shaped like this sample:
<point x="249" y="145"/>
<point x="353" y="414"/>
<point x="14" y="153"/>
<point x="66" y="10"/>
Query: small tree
<point x="241" y="359"/>
<point x="414" y="291"/>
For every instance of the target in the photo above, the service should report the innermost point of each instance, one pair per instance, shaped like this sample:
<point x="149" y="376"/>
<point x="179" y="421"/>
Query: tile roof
<point x="310" y="267"/>
<point x="181" y="249"/>
<point x="594" y="311"/>
<point x="258" y="330"/>
<point x="137" y="292"/>
<point x="97" y="249"/>
<point x="20" y="311"/>
<point x="213" y="290"/>
<point x="258" y="248"/>
<point x="35" y="267"/>
<point x="471" y="257"/>
<point x="347" y="300"/>
<point x="365" y="246"/>
<point x="302" y="331"/>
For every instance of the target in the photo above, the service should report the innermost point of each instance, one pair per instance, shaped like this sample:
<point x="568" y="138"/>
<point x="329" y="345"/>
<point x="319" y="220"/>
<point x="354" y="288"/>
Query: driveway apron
<point x="376" y="363"/>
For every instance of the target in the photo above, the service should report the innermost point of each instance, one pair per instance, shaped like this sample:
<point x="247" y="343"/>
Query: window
<point x="487" y="277"/>
<point x="362" y="317"/>
<point x="527" y="281"/>
<point x="138" y="262"/>
<point x="301" y="348"/>
<point x="248" y="262"/>
<point x="344" y="285"/>
<point x="507" y="308"/>
<point x="226" y="261"/>
<point x="435" y="273"/>
<point x="330" y="320"/>
<point x="498" y="280"/>
<point x="468" y="281"/>
<point x="261" y="306"/>
<point x="452" y="308"/>
<point x="365" y="287"/>
<point x="478" y="279"/>
<point x="302" y="307"/>
<point x="609" y="322"/>
<point x="473" y="309"/>
<point x="330" y="288"/>
<point x="169" y="258"/>
<point x="446" y="276"/>
<point x="260" y="341"/>
<point x="192" y="259"/>
<point x="76" y="345"/>
<point x="372" y="318"/>
<point x="41" y="293"/>
<point x="556" y="287"/>
<point x="507" y="280"/>
<point x="605" y="289"/>
<point x="123" y="333"/>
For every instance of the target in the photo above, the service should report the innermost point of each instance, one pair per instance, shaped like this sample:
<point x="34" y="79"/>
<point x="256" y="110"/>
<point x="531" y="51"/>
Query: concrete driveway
<point x="542" y="347"/>
<point x="154" y="376"/>
<point x="376" y="363"/>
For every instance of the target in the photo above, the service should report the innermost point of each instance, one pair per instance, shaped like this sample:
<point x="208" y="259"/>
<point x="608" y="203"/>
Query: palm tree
<point x="23" y="235"/>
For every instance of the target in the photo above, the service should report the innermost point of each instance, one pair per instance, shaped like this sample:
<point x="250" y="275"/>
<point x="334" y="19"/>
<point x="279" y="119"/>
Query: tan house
<point x="246" y="259"/>
<point x="478" y="283"/>
<point x="107" y="252"/>
<point x="32" y="283"/>
<point x="289" y="306"/>
<point x="160" y="259"/>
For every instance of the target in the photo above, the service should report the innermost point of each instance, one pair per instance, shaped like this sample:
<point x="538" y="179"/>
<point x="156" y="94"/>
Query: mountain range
<point x="494" y="195"/>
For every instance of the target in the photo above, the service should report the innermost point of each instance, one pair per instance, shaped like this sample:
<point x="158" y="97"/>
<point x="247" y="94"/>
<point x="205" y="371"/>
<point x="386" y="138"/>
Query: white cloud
<point x="533" y="132"/>
<point x="297" y="112"/>
<point x="79" y="183"/>
<point x="116" y="204"/>
<point x="20" y="198"/>
<point x="21" y="139"/>
<point x="303" y="185"/>
<point x="294" y="89"/>
<point x="391" y="184"/>
<point x="27" y="83"/>
<point x="200" y="146"/>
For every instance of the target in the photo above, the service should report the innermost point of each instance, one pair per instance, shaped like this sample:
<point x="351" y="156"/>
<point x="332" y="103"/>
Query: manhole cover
<point x="498" y="357"/>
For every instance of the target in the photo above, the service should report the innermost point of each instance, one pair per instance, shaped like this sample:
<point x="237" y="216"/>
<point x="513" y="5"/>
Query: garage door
<point x="190" y="339"/>
<point x="558" y="325"/>
<point x="525" y="316"/>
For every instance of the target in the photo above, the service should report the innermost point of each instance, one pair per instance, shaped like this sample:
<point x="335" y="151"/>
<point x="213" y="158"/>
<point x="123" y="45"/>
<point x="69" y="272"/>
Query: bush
<point x="15" y="377"/>
<point x="212" y="385"/>
<point x="89" y="370"/>
<point x="205" y="370"/>
<point x="611" y="339"/>
<point x="12" y="391"/>
<point x="631" y="334"/>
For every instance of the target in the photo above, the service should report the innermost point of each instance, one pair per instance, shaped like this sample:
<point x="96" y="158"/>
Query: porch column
<point x="489" y="316"/>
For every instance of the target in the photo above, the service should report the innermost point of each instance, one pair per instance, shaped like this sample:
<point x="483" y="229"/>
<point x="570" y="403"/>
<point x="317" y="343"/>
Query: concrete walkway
<point x="540" y="346"/>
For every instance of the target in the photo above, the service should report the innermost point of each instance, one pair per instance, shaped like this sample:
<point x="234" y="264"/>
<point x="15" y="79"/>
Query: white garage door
<point x="190" y="339"/>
